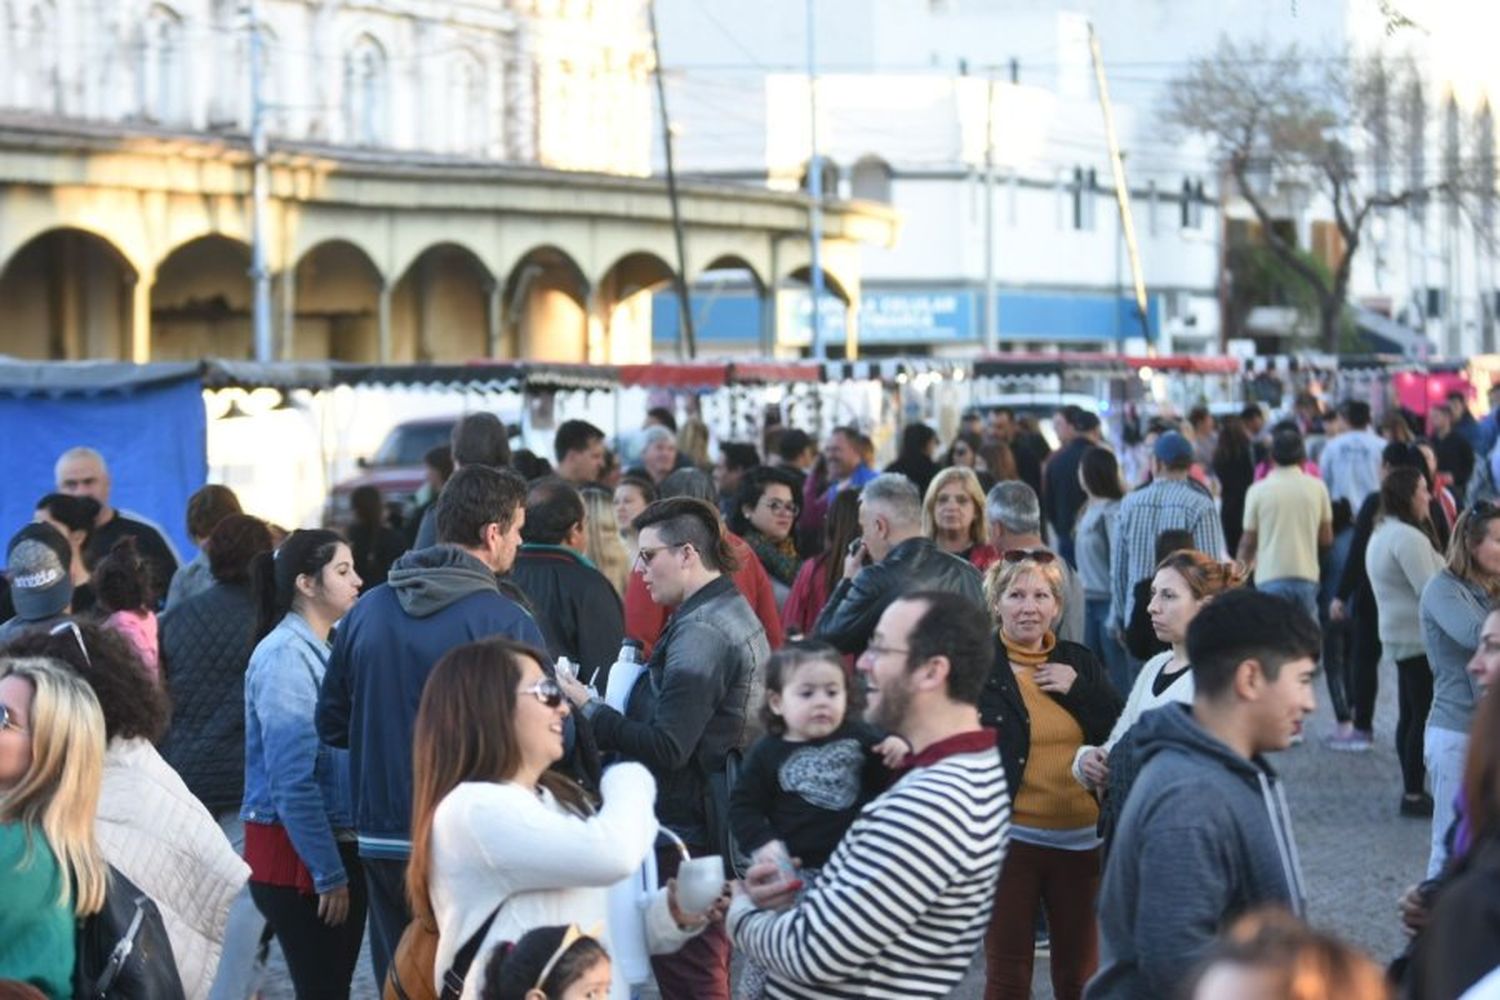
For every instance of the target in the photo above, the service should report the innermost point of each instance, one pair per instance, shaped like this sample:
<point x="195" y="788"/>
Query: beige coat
<point x="160" y="837"/>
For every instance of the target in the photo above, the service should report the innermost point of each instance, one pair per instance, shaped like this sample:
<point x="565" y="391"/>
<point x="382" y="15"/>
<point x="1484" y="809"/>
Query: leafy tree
<point x="1286" y="119"/>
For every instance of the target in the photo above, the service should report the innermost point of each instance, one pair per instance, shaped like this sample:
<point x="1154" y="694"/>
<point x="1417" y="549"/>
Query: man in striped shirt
<point x="903" y="903"/>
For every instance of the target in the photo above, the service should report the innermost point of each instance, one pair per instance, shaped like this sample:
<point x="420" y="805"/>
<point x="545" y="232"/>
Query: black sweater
<point x="805" y="794"/>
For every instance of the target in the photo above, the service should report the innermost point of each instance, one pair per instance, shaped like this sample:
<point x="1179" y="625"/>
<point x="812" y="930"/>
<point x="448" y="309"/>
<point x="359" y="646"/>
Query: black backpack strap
<point x="453" y="979"/>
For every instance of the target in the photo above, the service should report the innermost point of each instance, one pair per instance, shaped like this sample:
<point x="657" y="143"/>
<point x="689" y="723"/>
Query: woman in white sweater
<point x="498" y="837"/>
<point x="1185" y="581"/>
<point x="1401" y="558"/>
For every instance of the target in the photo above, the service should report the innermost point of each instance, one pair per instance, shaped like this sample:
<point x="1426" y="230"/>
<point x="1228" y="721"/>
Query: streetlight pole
<point x="260" y="274"/>
<point x="687" y="341"/>
<point x="814" y="192"/>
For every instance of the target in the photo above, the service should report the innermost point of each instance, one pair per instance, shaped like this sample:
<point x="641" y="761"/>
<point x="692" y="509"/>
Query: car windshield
<point x="406" y="444"/>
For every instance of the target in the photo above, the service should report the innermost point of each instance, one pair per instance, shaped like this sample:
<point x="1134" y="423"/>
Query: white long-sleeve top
<point x="499" y="841"/>
<point x="1143" y="698"/>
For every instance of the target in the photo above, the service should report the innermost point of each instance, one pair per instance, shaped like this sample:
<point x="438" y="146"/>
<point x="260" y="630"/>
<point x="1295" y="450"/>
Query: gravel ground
<point x="1357" y="853"/>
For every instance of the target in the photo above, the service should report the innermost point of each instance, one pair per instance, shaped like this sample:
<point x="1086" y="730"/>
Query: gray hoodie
<point x="1205" y="835"/>
<point x="426" y="581"/>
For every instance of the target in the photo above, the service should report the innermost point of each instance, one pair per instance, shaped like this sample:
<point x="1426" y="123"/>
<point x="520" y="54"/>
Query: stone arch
<point x="66" y="294"/>
<point x="338" y="296"/>
<point x="733" y="262"/>
<point x="441" y="307"/>
<point x="545" y="302"/>
<point x="625" y="306"/>
<point x="200" y="301"/>
<point x="836" y="321"/>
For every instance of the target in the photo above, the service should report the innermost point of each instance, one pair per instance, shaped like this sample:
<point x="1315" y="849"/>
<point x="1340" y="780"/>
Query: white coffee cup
<point x="700" y="881"/>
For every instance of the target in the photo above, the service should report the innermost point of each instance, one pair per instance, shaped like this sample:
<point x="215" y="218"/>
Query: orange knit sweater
<point x="1049" y="798"/>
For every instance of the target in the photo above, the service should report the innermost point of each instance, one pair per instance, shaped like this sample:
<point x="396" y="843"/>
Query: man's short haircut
<point x="440" y="458"/>
<point x="691" y="521"/>
<point x="739" y="455"/>
<point x="692" y="483"/>
<point x="79" y="451"/>
<point x="951" y="625"/>
<point x="1458" y="396"/>
<point x="1014" y="506"/>
<point x="1247" y="625"/>
<point x="1252" y="411"/>
<point x="481" y="439"/>
<point x="663" y="416"/>
<point x="1287" y="447"/>
<point x="553" y="506"/>
<point x="1356" y="412"/>
<point x="1173" y="540"/>
<point x="233" y="545"/>
<point x="792" y="444"/>
<point x="897" y="497"/>
<point x="574" y="435"/>
<point x="477" y="495"/>
<point x="1198" y="414"/>
<point x="1003" y="411"/>
<point x="208" y="506"/>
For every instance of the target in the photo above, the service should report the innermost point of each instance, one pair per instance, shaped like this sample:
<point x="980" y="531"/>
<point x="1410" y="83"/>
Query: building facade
<point x="446" y="180"/>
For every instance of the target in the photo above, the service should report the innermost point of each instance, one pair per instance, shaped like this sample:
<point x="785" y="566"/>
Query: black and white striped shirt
<point x="903" y="903"/>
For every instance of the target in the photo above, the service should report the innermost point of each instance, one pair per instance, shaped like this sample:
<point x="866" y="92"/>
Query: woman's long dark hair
<point x="274" y="575"/>
<point x="1397" y="492"/>
<point x="1482" y="769"/>
<point x="841" y="529"/>
<point x="1101" y="473"/>
<point x="465" y="731"/>
<point x="1233" y="444"/>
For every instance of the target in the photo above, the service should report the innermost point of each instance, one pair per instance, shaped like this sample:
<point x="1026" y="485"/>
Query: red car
<point x="396" y="470"/>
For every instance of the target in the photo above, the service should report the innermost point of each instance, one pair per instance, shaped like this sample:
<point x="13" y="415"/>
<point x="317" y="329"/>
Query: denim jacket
<point x="291" y="777"/>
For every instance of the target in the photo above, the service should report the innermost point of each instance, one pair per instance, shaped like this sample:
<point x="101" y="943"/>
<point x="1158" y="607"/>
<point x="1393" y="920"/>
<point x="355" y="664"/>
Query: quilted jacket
<point x="206" y="642"/>
<point x="152" y="829"/>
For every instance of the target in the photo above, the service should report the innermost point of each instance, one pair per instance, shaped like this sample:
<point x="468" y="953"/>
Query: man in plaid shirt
<point x="1172" y="500"/>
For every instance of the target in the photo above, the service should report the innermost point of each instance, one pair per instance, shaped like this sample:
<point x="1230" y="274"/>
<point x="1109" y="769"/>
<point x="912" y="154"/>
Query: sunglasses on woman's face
<point x="1035" y="555"/>
<point x="547" y="691"/>
<point x="8" y="720"/>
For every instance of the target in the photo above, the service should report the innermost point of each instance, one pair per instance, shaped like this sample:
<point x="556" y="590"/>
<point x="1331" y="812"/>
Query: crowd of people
<point x="566" y="726"/>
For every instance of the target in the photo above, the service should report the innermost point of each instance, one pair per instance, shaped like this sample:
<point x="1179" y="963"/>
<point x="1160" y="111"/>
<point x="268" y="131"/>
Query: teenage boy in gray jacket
<point x="1206" y="833"/>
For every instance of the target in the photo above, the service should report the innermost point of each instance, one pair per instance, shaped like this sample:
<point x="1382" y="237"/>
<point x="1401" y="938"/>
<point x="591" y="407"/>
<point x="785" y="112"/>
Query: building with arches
<point x="448" y="180"/>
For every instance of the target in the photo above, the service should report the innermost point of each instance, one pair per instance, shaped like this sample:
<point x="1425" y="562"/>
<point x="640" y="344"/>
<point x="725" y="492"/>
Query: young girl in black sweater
<point x="803" y="783"/>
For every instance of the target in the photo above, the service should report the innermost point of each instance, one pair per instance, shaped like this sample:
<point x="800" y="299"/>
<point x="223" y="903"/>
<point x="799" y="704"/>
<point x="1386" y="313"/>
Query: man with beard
<point x="903" y="903"/>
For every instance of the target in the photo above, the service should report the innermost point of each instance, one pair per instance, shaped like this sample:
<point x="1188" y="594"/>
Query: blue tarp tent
<point x="147" y="420"/>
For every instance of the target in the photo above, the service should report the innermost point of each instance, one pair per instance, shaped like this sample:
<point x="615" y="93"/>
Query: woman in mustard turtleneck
<point x="1045" y="698"/>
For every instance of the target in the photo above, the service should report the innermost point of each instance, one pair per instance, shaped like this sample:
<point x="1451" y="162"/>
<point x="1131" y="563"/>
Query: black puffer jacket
<point x="1091" y="700"/>
<point x="206" y="642"/>
<point x="916" y="564"/>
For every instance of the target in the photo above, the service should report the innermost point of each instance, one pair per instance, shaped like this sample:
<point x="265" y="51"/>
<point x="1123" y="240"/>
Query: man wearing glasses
<point x="693" y="706"/>
<point x="903" y="902"/>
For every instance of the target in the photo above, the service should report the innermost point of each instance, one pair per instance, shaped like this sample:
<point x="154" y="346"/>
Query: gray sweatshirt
<point x="1205" y="836"/>
<point x="1453" y="610"/>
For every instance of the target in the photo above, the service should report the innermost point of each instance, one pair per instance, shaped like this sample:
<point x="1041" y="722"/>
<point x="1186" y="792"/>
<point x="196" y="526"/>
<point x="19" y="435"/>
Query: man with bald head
<point x="83" y="472"/>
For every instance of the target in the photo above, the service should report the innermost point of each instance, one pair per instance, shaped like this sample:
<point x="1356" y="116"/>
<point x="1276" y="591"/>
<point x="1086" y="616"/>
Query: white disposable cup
<point x="700" y="881"/>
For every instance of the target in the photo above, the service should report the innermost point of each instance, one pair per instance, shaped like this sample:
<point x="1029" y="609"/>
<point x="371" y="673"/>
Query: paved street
<point x="1357" y="853"/>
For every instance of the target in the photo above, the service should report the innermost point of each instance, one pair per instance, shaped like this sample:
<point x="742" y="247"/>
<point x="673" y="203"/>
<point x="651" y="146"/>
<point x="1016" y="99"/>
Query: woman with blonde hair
<point x="1453" y="607"/>
<point x="601" y="538"/>
<point x="953" y="516"/>
<point x="51" y="762"/>
<point x="1185" y="581"/>
<point x="1045" y="698"/>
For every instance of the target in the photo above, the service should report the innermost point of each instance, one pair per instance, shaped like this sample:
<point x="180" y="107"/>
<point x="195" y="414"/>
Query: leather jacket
<point x="916" y="564"/>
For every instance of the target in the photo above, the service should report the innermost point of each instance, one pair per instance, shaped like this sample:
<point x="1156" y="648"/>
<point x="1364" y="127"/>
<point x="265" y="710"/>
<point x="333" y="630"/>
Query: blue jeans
<point x="1303" y="593"/>
<point x="1097" y="638"/>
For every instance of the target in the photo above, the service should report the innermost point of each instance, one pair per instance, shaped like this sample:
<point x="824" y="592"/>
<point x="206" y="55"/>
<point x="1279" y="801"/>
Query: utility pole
<point x="687" y="343"/>
<point x="1122" y="191"/>
<point x="814" y="192"/>
<point x="991" y="306"/>
<point x="260" y="274"/>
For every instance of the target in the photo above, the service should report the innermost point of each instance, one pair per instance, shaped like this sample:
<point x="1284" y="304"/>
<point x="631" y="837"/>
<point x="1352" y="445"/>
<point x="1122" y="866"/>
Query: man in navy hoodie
<point x="434" y="599"/>
<point x="1206" y="834"/>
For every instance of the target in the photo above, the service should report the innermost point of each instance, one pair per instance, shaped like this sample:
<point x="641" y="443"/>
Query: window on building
<point x="870" y="180"/>
<point x="163" y="65"/>
<point x="1190" y="212"/>
<point x="1151" y="206"/>
<point x="468" y="105"/>
<point x="365" y="82"/>
<point x="1082" y="193"/>
<point x="830" y="177"/>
